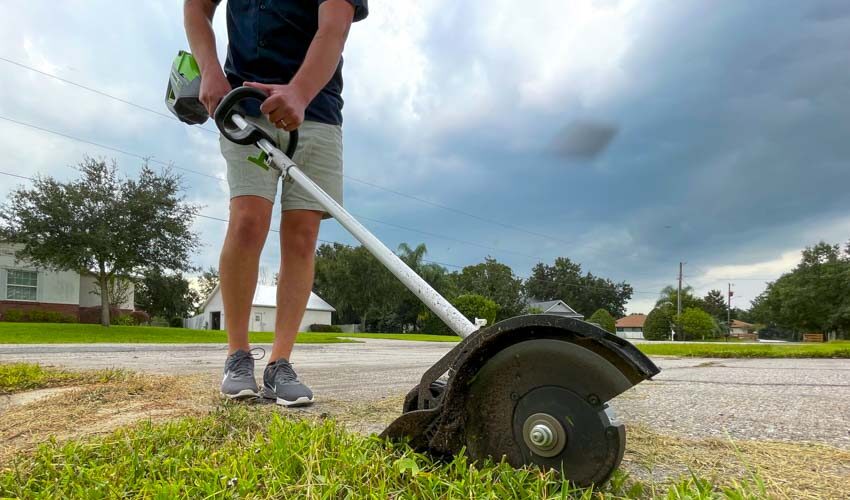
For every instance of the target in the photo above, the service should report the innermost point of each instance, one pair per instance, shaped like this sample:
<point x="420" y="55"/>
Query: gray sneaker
<point x="280" y="382"/>
<point x="238" y="381"/>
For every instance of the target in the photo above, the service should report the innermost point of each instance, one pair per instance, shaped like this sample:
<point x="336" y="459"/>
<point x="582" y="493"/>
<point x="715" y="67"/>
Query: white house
<point x="263" y="310"/>
<point x="740" y="329"/>
<point x="25" y="287"/>
<point x="558" y="307"/>
<point x="631" y="326"/>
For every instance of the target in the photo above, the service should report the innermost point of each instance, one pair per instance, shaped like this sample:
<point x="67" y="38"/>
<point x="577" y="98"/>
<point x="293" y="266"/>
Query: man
<point x="292" y="50"/>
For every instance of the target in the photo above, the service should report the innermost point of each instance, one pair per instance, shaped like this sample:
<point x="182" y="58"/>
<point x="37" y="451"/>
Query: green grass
<point x="419" y="337"/>
<point x="75" y="333"/>
<point x="836" y="349"/>
<point x="239" y="451"/>
<point x="17" y="377"/>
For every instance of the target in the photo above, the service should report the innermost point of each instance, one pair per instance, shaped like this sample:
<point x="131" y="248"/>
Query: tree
<point x="696" y="324"/>
<point x="815" y="296"/>
<point x="166" y="295"/>
<point x="583" y="292"/>
<point x="207" y="282"/>
<point x="495" y="281"/>
<point x="470" y="305"/>
<point x="363" y="291"/>
<point x="477" y="306"/>
<point x="604" y="319"/>
<point x="102" y="224"/>
<point x="410" y="307"/>
<point x="714" y="303"/>
<point x="671" y="294"/>
<point x="117" y="290"/>
<point x="659" y="323"/>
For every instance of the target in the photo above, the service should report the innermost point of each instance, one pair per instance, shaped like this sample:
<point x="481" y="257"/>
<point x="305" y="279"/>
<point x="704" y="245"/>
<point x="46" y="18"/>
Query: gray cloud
<point x="719" y="132"/>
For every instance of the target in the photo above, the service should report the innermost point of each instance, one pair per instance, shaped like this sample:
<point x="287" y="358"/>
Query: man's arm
<point x="197" y="19"/>
<point x="286" y="103"/>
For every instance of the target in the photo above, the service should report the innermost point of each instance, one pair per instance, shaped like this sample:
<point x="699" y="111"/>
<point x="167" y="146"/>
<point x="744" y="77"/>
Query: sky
<point x="626" y="135"/>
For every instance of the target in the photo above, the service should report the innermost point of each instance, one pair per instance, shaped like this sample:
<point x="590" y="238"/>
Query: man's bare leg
<point x="299" y="230"/>
<point x="250" y="217"/>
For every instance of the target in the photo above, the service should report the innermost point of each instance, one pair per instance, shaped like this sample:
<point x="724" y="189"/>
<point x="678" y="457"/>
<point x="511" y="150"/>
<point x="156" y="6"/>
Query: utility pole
<point x="729" y="312"/>
<point x="679" y="302"/>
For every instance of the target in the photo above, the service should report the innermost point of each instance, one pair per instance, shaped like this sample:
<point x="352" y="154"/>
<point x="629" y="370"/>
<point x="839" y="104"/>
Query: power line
<point x="362" y="181"/>
<point x="449" y="238"/>
<point x="456" y="210"/>
<point x="172" y="165"/>
<point x="99" y="92"/>
<point x="445" y="264"/>
<point x="109" y="148"/>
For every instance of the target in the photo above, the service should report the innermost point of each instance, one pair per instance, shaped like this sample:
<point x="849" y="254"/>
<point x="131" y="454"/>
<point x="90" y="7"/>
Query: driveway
<point x="762" y="399"/>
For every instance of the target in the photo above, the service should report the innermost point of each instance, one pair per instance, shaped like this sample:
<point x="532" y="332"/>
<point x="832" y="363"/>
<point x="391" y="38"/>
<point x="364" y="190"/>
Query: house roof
<point x="556" y="306"/>
<point x="740" y="324"/>
<point x="632" y="321"/>
<point x="266" y="296"/>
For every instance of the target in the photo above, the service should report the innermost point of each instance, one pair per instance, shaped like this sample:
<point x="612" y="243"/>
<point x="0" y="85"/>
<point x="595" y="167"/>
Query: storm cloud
<point x="634" y="134"/>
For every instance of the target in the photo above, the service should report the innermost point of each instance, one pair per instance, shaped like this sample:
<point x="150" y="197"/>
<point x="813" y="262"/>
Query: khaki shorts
<point x="319" y="155"/>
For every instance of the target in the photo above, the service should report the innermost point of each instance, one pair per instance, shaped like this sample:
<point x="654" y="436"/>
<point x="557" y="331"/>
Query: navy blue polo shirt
<point x="268" y="41"/>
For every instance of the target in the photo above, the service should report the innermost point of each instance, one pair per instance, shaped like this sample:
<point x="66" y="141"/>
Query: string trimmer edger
<point x="532" y="389"/>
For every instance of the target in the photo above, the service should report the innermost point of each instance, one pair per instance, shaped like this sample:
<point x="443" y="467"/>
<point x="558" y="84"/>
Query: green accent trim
<point x="260" y="160"/>
<point x="187" y="66"/>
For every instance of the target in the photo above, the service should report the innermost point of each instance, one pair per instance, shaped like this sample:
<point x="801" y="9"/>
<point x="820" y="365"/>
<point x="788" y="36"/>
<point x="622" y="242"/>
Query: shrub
<point x="158" y="321"/>
<point x="696" y="324"/>
<point x="175" y="322"/>
<point x="13" y="315"/>
<point x="430" y="324"/>
<point x="141" y="317"/>
<point x="92" y="314"/>
<point x="477" y="306"/>
<point x="325" y="328"/>
<point x="604" y="319"/>
<point x="470" y="305"/>
<point x="658" y="323"/>
<point x="124" y="320"/>
<point x="38" y="317"/>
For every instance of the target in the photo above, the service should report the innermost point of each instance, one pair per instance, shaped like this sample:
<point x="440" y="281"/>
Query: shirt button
<point x="262" y="43"/>
<point x="262" y="6"/>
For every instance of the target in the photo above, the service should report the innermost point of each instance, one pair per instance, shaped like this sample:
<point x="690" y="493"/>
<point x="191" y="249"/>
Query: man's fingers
<point x="262" y="86"/>
<point x="284" y="115"/>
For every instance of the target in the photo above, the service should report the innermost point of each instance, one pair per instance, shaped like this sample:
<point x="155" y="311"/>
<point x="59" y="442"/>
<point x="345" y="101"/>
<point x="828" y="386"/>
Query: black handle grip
<point x="232" y="103"/>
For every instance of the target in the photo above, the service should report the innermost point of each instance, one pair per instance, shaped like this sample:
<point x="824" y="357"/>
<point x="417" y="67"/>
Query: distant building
<point x="26" y="287"/>
<point x="740" y="328"/>
<point x="263" y="310"/>
<point x="631" y="326"/>
<point x="558" y="307"/>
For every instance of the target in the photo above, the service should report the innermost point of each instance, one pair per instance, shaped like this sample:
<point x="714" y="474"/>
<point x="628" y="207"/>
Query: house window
<point x="21" y="285"/>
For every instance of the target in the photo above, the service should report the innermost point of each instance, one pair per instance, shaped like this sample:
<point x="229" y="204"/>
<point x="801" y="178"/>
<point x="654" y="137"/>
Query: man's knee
<point x="248" y="232"/>
<point x="300" y="235"/>
<point x="248" y="227"/>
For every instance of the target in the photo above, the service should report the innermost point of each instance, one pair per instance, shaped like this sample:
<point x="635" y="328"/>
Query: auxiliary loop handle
<point x="231" y="104"/>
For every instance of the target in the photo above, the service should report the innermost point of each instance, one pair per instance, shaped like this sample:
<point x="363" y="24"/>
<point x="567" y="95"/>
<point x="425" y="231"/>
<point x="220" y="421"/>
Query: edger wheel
<point x="526" y="404"/>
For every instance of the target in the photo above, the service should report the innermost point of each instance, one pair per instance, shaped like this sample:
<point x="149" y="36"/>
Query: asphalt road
<point x="775" y="399"/>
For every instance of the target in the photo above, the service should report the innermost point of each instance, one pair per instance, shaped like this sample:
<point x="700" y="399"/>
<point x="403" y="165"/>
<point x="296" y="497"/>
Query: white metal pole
<point x="435" y="302"/>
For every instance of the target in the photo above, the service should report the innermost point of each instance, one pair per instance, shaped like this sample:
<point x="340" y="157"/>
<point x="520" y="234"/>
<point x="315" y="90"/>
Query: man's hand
<point x="285" y="105"/>
<point x="214" y="86"/>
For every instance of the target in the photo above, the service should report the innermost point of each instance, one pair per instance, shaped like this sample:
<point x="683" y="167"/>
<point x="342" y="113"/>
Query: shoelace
<point x="283" y="372"/>
<point x="242" y="369"/>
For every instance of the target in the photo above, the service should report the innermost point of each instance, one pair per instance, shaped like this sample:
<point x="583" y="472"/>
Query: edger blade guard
<point x="532" y="389"/>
